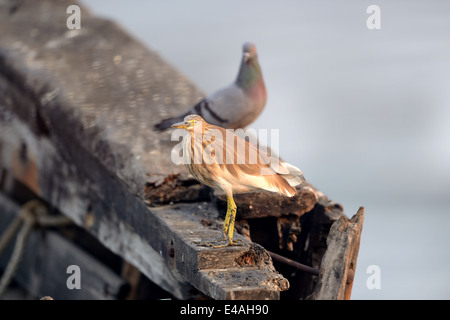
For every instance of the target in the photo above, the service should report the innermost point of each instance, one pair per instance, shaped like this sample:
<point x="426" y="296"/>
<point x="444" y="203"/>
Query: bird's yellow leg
<point x="228" y="228"/>
<point x="232" y="212"/>
<point x="226" y="223"/>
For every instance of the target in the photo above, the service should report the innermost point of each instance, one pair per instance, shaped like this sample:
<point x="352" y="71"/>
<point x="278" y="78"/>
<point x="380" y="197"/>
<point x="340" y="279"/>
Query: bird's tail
<point x="284" y="180"/>
<point x="294" y="176"/>
<point x="167" y="123"/>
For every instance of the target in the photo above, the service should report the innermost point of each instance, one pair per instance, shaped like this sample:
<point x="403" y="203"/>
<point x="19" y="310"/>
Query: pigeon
<point x="235" y="106"/>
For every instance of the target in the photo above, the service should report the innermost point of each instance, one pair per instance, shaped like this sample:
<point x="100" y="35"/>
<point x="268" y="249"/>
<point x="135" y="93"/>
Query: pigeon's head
<point x="189" y="122"/>
<point x="249" y="51"/>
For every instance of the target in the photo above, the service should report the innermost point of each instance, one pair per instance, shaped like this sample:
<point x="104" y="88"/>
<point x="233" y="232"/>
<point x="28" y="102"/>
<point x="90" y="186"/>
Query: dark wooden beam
<point x="339" y="261"/>
<point x="42" y="270"/>
<point x="266" y="204"/>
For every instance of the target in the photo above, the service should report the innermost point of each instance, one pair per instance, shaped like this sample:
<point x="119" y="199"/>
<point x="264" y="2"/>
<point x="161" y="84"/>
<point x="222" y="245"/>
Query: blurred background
<point x="364" y="113"/>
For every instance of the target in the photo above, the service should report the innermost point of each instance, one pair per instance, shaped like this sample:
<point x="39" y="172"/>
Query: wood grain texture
<point x="339" y="261"/>
<point x="42" y="269"/>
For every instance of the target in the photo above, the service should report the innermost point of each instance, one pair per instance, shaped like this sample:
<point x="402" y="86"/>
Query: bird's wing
<point x="268" y="164"/>
<point x="231" y="105"/>
<point x="253" y="168"/>
<point x="207" y="109"/>
<point x="210" y="108"/>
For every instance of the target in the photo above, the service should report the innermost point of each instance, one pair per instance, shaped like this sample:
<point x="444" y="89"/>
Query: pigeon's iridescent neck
<point x="250" y="75"/>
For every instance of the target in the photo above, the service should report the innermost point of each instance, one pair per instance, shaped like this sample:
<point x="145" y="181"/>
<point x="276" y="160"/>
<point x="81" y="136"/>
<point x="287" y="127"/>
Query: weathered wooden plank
<point x="96" y="87"/>
<point x="98" y="202"/>
<point x="167" y="225"/>
<point x="242" y="284"/>
<point x="339" y="261"/>
<point x="266" y="204"/>
<point x="223" y="273"/>
<point x="299" y="238"/>
<point x="84" y="108"/>
<point x="42" y="269"/>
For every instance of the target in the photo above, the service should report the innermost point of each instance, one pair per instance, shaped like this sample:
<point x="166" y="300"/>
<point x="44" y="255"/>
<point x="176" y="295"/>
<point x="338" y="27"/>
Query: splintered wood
<point x="339" y="262"/>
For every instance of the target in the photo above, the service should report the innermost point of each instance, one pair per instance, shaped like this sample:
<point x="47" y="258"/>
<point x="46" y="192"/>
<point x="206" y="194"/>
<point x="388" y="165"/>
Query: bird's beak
<point x="181" y="125"/>
<point x="247" y="56"/>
